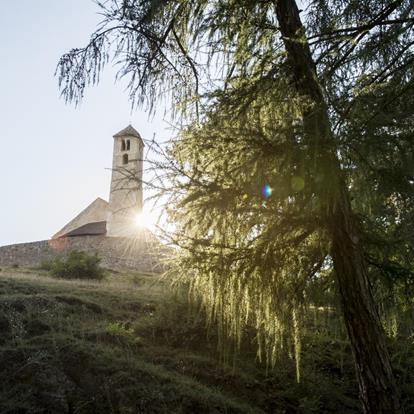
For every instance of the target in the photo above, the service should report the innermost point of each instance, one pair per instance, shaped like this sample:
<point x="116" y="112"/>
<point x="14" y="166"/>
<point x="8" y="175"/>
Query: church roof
<point x="90" y="229"/>
<point x="97" y="211"/>
<point x="128" y="131"/>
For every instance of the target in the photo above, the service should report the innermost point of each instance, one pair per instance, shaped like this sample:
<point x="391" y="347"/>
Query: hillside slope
<point x="127" y="345"/>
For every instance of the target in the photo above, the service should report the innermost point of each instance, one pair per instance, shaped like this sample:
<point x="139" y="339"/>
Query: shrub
<point x="77" y="265"/>
<point x="121" y="331"/>
<point x="45" y="265"/>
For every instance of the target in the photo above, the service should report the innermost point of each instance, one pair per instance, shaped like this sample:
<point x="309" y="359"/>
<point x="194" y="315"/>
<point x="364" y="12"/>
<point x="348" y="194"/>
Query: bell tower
<point x="125" y="197"/>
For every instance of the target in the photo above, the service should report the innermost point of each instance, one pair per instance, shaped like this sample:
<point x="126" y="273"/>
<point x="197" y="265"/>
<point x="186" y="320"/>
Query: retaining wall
<point x="117" y="253"/>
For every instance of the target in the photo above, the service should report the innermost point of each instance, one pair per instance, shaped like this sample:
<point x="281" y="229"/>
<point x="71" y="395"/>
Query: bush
<point x="77" y="265"/>
<point x="45" y="265"/>
<point x="122" y="332"/>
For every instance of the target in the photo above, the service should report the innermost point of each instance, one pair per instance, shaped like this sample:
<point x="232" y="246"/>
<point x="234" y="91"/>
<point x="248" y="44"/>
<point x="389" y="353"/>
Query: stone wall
<point x="143" y="254"/>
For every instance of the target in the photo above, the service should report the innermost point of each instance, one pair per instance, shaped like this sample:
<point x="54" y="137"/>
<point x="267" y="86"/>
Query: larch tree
<point x="317" y="113"/>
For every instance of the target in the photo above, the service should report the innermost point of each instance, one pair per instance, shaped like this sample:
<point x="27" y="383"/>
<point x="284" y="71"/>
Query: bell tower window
<point x="128" y="145"/>
<point x="123" y="145"/>
<point x="125" y="159"/>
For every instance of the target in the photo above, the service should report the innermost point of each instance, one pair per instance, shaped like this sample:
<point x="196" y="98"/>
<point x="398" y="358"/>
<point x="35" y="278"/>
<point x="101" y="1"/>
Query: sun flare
<point x="145" y="219"/>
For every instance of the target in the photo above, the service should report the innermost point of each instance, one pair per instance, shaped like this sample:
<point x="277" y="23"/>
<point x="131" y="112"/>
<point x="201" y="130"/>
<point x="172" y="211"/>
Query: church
<point x="107" y="228"/>
<point x="117" y="217"/>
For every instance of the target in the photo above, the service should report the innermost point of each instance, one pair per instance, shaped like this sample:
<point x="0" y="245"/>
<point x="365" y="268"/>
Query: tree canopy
<point x="295" y="161"/>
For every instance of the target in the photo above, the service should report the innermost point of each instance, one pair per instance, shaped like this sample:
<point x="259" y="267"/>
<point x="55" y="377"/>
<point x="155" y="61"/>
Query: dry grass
<point x="87" y="346"/>
<point x="129" y="344"/>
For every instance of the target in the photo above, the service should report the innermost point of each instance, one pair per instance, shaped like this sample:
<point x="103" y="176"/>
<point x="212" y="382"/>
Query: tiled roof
<point x="128" y="131"/>
<point x="90" y="229"/>
<point x="96" y="211"/>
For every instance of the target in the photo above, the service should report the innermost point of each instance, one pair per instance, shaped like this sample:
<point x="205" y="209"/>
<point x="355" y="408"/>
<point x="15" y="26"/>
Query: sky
<point x="54" y="157"/>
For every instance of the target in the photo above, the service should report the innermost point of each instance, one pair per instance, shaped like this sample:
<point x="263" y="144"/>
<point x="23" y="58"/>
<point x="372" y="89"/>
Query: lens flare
<point x="267" y="191"/>
<point x="145" y="219"/>
<point x="298" y="183"/>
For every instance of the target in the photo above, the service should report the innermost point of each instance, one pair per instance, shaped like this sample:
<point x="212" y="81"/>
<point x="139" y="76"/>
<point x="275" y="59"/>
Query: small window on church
<point x="125" y="159"/>
<point x="128" y="145"/>
<point x="123" y="145"/>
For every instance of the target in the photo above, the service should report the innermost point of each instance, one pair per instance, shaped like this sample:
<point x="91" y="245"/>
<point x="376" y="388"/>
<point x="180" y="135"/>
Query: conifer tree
<point x="317" y="115"/>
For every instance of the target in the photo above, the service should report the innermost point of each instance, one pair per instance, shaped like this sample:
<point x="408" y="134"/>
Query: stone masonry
<point x="142" y="254"/>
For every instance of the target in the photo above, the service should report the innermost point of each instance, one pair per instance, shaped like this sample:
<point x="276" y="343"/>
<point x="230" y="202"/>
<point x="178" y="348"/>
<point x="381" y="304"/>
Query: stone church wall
<point x="143" y="254"/>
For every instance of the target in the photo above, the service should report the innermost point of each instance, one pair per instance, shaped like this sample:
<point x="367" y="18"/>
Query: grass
<point x="127" y="344"/>
<point x="74" y="346"/>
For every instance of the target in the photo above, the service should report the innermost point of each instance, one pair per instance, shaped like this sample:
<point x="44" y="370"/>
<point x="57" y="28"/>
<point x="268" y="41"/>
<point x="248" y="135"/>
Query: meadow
<point x="132" y="344"/>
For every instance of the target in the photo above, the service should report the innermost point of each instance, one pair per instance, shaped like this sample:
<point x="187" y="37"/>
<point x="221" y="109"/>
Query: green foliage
<point x="259" y="261"/>
<point x="119" y="330"/>
<point x="77" y="265"/>
<point x="45" y="265"/>
<point x="178" y="323"/>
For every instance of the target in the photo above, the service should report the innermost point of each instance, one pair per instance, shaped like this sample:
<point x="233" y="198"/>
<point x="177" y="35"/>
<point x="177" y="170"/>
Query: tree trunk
<point x="378" y="390"/>
<point x="379" y="393"/>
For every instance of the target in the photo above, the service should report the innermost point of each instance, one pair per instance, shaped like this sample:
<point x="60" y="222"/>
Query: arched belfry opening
<point x="128" y="145"/>
<point x="123" y="145"/>
<point x="125" y="159"/>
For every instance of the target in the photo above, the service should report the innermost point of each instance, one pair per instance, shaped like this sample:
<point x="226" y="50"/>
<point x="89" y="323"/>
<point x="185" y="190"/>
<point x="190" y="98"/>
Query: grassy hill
<point x="129" y="345"/>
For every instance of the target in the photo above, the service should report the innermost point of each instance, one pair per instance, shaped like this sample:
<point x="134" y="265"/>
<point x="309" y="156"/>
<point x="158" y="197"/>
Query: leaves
<point x="253" y="260"/>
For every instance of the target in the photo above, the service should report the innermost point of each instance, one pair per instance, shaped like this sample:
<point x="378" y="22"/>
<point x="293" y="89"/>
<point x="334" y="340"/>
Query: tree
<point x="378" y="389"/>
<point x="299" y="99"/>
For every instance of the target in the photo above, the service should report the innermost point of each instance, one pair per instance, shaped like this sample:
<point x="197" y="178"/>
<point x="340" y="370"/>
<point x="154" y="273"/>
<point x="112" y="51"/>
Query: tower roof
<point x="128" y="131"/>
